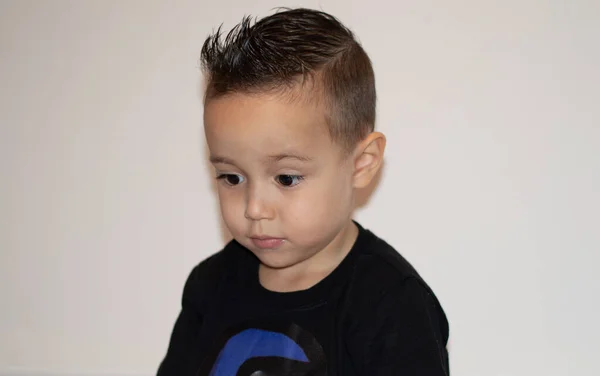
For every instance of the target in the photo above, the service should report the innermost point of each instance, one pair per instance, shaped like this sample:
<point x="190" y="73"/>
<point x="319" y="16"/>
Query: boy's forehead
<point x="265" y="125"/>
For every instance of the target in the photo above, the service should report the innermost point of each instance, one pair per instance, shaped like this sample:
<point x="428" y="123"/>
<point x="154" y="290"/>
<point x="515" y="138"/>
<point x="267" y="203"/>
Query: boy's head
<point x="289" y="118"/>
<point x="298" y="54"/>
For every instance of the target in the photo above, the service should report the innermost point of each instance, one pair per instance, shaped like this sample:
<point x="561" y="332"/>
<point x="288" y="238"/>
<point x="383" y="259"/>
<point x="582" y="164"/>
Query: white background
<point x="490" y="187"/>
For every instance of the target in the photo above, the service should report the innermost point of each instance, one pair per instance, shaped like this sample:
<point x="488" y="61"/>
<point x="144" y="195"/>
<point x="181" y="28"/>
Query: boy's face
<point x="285" y="189"/>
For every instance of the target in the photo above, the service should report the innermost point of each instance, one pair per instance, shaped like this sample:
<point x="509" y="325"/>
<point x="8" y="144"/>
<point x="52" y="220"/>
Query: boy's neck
<point x="313" y="270"/>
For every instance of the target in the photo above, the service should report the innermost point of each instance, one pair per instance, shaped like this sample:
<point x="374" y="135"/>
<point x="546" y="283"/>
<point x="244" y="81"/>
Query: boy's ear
<point x="368" y="157"/>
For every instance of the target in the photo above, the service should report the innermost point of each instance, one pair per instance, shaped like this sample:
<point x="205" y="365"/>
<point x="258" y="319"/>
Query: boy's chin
<point x="274" y="259"/>
<point x="277" y="258"/>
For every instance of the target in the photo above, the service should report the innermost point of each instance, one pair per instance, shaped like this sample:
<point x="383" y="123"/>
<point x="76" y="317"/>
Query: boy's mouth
<point x="266" y="242"/>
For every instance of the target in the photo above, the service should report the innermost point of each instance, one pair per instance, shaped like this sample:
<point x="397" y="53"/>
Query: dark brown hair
<point x="292" y="47"/>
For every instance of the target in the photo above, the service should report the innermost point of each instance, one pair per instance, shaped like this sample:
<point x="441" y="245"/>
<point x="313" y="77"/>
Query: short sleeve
<point x="404" y="333"/>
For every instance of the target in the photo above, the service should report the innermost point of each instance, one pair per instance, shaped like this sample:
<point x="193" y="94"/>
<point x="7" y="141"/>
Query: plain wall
<point x="490" y="188"/>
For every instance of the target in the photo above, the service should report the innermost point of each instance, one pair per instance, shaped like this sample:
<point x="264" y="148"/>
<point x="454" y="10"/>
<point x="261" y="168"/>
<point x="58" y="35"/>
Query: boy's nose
<point x="257" y="207"/>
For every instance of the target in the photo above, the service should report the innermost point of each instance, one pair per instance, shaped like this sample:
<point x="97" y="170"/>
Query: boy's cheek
<point x="231" y="208"/>
<point x="319" y="208"/>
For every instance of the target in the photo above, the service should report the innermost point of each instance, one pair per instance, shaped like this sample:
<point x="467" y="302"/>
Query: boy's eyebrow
<point x="218" y="159"/>
<point x="280" y="157"/>
<point x="272" y="158"/>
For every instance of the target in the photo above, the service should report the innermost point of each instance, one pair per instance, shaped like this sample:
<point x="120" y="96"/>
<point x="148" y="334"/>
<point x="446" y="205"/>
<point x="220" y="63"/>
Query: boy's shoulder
<point x="387" y="295"/>
<point x="203" y="281"/>
<point x="380" y="263"/>
<point x="214" y="264"/>
<point x="380" y="270"/>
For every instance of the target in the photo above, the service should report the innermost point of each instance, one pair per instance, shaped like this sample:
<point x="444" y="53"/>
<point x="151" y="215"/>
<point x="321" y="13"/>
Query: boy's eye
<point x="231" y="179"/>
<point x="289" y="180"/>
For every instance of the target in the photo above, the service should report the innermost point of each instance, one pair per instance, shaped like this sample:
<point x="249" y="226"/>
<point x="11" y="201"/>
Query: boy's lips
<point x="266" y="242"/>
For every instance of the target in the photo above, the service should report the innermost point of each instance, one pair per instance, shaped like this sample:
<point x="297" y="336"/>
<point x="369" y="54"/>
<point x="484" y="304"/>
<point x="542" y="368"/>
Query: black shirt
<point x="373" y="315"/>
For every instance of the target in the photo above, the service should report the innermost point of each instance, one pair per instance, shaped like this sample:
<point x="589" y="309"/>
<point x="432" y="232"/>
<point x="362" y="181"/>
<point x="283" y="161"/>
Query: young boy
<point x="302" y="289"/>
